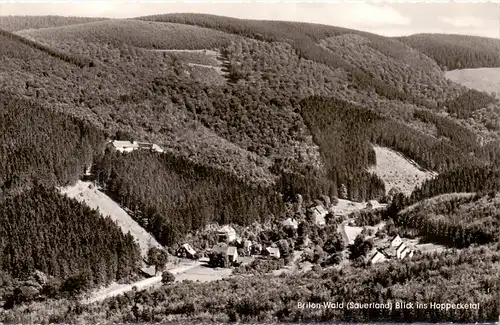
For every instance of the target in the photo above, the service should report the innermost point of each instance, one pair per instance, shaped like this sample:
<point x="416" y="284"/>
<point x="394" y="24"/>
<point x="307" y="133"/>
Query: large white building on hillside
<point x="124" y="146"/>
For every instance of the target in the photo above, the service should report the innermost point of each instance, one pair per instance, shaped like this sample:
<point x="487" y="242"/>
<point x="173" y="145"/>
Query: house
<point x="400" y="250"/>
<point x="273" y="252"/>
<point x="318" y="215"/>
<point x="226" y="234"/>
<point x="124" y="146"/>
<point x="223" y="255"/>
<point x="377" y="257"/>
<point x="396" y="241"/>
<point x="218" y="256"/>
<point x="186" y="251"/>
<point x="290" y="222"/>
<point x="232" y="254"/>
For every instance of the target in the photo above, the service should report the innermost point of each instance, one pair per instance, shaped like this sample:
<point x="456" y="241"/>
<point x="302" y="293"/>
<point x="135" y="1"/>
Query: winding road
<point x="139" y="285"/>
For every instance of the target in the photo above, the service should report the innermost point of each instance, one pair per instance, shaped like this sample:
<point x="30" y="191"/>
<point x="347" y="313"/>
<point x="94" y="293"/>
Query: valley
<point x="292" y="162"/>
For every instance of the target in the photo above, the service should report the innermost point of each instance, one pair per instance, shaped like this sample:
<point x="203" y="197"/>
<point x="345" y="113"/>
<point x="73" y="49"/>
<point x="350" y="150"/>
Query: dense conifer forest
<point x="40" y="145"/>
<point x="41" y="230"/>
<point x="17" y="23"/>
<point x="456" y="51"/>
<point x="453" y="220"/>
<point x="171" y="196"/>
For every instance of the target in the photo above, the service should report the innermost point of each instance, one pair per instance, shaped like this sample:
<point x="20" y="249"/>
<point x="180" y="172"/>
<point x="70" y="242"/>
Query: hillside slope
<point x="17" y="23"/>
<point x="452" y="51"/>
<point x="295" y="109"/>
<point x="89" y="195"/>
<point x="456" y="220"/>
<point x="71" y="244"/>
<point x="398" y="172"/>
<point x="272" y="121"/>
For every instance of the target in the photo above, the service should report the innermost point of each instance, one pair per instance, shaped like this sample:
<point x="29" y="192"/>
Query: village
<point x="232" y="250"/>
<point x="325" y="234"/>
<point x="297" y="244"/>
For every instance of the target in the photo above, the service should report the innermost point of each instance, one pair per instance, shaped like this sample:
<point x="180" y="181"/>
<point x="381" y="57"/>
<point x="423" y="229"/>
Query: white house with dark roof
<point x="232" y="254"/>
<point x="400" y="251"/>
<point x="124" y="146"/>
<point x="186" y="251"/>
<point x="378" y="257"/>
<point x="396" y="241"/>
<point x="273" y="252"/>
<point x="150" y="146"/>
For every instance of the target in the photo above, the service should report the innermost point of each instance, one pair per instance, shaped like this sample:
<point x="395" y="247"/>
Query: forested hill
<point x="17" y="23"/>
<point x="254" y="98"/>
<point x="456" y="51"/>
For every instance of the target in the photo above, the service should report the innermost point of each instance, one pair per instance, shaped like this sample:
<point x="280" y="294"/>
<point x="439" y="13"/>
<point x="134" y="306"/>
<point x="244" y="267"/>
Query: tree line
<point x="456" y="51"/>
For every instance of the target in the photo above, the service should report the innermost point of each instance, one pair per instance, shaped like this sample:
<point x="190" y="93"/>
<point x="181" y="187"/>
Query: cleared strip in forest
<point x="86" y="193"/>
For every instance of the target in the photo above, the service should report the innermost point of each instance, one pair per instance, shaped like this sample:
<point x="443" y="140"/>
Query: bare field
<point x="482" y="79"/>
<point x="204" y="273"/>
<point x="397" y="171"/>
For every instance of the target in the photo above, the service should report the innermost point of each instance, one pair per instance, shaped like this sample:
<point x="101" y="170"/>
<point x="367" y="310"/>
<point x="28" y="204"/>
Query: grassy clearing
<point x="398" y="171"/>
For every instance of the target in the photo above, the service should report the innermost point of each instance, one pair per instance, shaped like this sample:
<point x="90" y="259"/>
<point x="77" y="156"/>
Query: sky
<point x="384" y="18"/>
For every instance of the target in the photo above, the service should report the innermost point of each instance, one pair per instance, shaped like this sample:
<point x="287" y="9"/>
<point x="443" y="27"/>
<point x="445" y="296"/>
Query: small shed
<point x="232" y="254"/>
<point x="273" y="252"/>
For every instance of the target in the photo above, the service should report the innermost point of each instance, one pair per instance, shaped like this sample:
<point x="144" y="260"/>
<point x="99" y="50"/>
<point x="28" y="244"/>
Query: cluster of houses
<point x="397" y="249"/>
<point x="229" y="249"/>
<point x="128" y="146"/>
